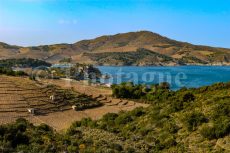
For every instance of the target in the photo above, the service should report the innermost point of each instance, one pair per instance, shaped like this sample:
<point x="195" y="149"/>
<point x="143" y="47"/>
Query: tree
<point x="188" y="97"/>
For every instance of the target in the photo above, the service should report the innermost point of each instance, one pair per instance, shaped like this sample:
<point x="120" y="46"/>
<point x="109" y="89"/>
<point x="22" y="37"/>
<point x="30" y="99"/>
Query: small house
<point x="31" y="110"/>
<point x="52" y="98"/>
<point x="74" y="107"/>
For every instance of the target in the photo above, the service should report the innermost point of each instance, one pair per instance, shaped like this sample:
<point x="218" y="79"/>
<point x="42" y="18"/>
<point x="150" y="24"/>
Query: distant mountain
<point x="133" y="48"/>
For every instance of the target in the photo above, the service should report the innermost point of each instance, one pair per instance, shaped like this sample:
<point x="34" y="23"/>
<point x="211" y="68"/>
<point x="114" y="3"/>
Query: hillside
<point x="188" y="120"/>
<point x="121" y="49"/>
<point x="19" y="93"/>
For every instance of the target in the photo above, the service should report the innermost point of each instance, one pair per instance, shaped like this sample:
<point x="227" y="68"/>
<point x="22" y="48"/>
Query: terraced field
<point x="18" y="94"/>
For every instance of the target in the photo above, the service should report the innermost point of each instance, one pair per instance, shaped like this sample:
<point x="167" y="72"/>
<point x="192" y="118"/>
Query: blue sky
<point x="35" y="22"/>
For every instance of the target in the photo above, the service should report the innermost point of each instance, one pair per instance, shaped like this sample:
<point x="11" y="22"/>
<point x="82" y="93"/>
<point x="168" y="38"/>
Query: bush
<point x="222" y="108"/>
<point x="73" y="131"/>
<point x="44" y="127"/>
<point x="23" y="62"/>
<point x="177" y="105"/>
<point x="188" y="97"/>
<point x="10" y="72"/>
<point x="116" y="146"/>
<point x="220" y="129"/>
<point x="110" y="117"/>
<point x="208" y="132"/>
<point x="108" y="122"/>
<point x="19" y="139"/>
<point x="137" y="112"/>
<point x="123" y="119"/>
<point x="166" y="140"/>
<point x="86" y="122"/>
<point x="193" y="119"/>
<point x="170" y="127"/>
<point x="131" y="91"/>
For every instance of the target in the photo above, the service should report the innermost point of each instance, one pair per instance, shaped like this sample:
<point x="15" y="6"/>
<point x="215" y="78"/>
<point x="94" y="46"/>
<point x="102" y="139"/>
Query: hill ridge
<point x="186" y="53"/>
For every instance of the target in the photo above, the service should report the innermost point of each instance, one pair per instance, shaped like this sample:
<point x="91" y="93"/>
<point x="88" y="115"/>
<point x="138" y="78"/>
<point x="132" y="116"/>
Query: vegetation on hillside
<point x="121" y="49"/>
<point x="22" y="136"/>
<point x="192" y="60"/>
<point x="142" y="92"/>
<point x="71" y="97"/>
<point x="140" y="57"/>
<point x="10" y="72"/>
<point x="42" y="69"/>
<point x="23" y="62"/>
<point x="65" y="60"/>
<point x="187" y="120"/>
<point x="77" y="71"/>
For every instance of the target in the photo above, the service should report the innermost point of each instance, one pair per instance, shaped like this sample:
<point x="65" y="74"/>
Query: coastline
<point x="164" y="65"/>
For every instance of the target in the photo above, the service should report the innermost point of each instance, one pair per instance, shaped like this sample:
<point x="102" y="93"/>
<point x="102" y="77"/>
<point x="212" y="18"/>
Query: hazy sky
<point x="35" y="22"/>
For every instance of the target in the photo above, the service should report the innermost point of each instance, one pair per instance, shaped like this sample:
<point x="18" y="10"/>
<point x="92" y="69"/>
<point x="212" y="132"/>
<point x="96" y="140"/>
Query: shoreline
<point x="205" y="65"/>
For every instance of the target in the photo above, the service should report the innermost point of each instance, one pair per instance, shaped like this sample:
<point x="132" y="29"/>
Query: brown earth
<point x="18" y="94"/>
<point x="105" y="48"/>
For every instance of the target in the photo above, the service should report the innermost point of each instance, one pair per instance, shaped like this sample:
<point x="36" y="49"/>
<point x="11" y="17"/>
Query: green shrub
<point x="44" y="127"/>
<point x="170" y="127"/>
<point x="123" y="119"/>
<point x="23" y="62"/>
<point x="131" y="91"/>
<point x="73" y="131"/>
<point x="10" y="72"/>
<point x="222" y="108"/>
<point x="188" y="97"/>
<point x="116" y="147"/>
<point x="19" y="139"/>
<point x="166" y="140"/>
<point x="176" y="105"/>
<point x="220" y="128"/>
<point x="144" y="131"/>
<point x="208" y="132"/>
<point x="109" y="118"/>
<point x="137" y="112"/>
<point x="193" y="119"/>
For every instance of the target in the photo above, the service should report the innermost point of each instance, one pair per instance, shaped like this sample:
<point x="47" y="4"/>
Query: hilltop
<point x="133" y="48"/>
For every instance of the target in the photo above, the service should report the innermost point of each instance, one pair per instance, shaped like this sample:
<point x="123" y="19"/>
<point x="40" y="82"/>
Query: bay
<point x="177" y="76"/>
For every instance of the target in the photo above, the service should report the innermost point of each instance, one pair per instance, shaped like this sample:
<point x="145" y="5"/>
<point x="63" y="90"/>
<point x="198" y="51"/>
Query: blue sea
<point x="177" y="76"/>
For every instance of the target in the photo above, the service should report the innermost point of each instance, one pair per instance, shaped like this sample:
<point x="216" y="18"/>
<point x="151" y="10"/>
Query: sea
<point x="176" y="76"/>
